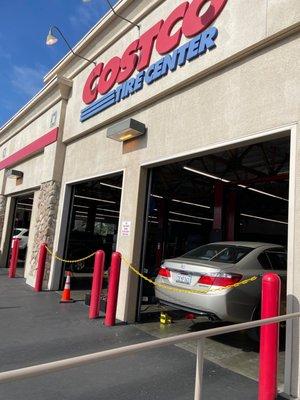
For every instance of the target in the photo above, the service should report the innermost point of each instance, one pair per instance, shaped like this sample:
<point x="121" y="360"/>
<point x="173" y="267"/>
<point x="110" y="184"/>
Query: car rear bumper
<point x="224" y="304"/>
<point x="214" y="304"/>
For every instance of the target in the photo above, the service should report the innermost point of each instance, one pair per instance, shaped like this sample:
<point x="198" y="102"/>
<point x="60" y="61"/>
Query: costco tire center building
<point x="184" y="130"/>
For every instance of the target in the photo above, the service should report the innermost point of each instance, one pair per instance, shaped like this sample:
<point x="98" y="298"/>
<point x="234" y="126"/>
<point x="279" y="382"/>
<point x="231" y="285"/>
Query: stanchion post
<point x="14" y="258"/>
<point x="97" y="285"/>
<point x="269" y="338"/>
<point x="40" y="268"/>
<point x="113" y="288"/>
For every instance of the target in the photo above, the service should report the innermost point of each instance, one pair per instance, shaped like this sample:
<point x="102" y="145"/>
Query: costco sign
<point x="188" y="19"/>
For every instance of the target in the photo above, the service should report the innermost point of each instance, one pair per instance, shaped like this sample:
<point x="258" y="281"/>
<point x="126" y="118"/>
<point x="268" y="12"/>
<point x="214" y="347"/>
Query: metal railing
<point x="68" y="363"/>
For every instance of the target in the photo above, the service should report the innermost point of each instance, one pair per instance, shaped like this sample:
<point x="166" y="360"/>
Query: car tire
<point x="254" y="333"/>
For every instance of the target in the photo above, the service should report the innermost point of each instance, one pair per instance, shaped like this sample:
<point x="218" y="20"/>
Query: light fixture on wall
<point x="52" y="39"/>
<point x="126" y="130"/>
<point x="14" y="174"/>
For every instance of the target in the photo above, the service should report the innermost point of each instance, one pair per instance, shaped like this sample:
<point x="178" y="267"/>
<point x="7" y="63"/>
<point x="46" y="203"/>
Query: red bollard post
<point x="113" y="288"/>
<point x="40" y="268"/>
<point x="97" y="285"/>
<point x="269" y="338"/>
<point x="14" y="258"/>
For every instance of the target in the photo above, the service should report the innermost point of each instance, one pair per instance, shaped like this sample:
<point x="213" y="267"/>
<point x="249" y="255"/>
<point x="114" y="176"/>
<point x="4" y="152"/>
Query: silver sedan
<point x="216" y="266"/>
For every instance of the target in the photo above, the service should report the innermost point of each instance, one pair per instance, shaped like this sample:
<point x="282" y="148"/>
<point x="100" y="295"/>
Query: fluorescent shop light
<point x="105" y="215"/>
<point x="264" y="219"/>
<point x="264" y="193"/>
<point x="106" y="209"/>
<point x="77" y="205"/>
<point x="190" y="204"/>
<point x="94" y="199"/>
<point x="112" y="186"/>
<point x="242" y="186"/>
<point x="205" y="174"/>
<point x="82" y="213"/>
<point x="184" y="222"/>
<point x="190" y="216"/>
<point x="267" y="194"/>
<point x="24" y="204"/>
<point x="181" y="201"/>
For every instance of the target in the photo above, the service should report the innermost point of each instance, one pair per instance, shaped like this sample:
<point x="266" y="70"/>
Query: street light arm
<point x="67" y="43"/>
<point x="120" y="16"/>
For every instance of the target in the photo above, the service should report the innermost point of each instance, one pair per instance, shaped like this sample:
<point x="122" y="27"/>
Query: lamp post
<point x="118" y="15"/>
<point x="52" y="39"/>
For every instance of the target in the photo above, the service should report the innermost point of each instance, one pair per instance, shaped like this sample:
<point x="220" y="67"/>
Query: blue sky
<point x="24" y="56"/>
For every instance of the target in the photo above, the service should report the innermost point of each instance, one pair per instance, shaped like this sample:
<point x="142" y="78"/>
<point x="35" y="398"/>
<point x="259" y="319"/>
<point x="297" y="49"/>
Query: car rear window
<point x="219" y="253"/>
<point x="278" y="258"/>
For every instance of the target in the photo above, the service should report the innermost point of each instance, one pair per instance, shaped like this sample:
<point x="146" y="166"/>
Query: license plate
<point x="186" y="279"/>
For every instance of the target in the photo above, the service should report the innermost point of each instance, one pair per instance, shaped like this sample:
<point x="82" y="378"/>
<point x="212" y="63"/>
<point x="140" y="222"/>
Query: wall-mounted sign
<point x="126" y="226"/>
<point x="190" y="21"/>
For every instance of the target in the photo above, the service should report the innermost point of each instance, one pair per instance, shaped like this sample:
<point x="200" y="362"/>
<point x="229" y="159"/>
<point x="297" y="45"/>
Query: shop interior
<point x="93" y="225"/>
<point x="21" y="225"/>
<point x="237" y="194"/>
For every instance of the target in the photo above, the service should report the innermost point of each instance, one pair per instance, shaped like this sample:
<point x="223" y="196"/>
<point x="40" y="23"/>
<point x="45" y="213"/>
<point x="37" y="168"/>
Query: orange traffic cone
<point x="66" y="295"/>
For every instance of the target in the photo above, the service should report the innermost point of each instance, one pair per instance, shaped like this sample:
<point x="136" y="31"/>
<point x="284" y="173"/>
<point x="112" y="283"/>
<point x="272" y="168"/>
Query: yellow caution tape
<point x="68" y="261"/>
<point x="173" y="289"/>
<point x="160" y="285"/>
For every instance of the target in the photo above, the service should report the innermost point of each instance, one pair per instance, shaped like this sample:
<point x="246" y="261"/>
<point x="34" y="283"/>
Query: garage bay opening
<point x="21" y="225"/>
<point x="93" y="225"/>
<point x="237" y="198"/>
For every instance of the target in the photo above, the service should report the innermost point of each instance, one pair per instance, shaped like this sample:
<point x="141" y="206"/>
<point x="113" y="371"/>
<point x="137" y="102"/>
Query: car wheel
<point x="254" y="333"/>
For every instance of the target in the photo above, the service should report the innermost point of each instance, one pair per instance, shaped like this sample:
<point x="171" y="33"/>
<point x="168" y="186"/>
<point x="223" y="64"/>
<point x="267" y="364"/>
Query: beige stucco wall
<point x="246" y="86"/>
<point x="241" y="100"/>
<point x="39" y="168"/>
<point x="31" y="132"/>
<point x="241" y="25"/>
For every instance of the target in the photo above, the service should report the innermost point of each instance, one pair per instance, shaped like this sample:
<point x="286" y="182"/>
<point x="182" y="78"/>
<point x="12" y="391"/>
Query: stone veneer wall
<point x="2" y="212"/>
<point x="44" y="228"/>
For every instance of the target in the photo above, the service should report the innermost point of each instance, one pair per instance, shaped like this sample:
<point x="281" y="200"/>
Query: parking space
<point x="235" y="351"/>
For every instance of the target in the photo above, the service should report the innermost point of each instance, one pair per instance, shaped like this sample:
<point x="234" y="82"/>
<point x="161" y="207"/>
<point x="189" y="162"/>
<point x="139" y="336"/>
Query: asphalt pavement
<point x="35" y="328"/>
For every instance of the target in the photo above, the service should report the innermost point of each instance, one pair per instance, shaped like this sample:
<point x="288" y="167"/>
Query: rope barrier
<point x="158" y="284"/>
<point x="68" y="261"/>
<point x="178" y="290"/>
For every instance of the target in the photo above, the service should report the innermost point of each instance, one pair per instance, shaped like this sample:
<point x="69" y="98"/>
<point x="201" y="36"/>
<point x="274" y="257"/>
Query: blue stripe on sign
<point x="97" y="103"/>
<point x="101" y="107"/>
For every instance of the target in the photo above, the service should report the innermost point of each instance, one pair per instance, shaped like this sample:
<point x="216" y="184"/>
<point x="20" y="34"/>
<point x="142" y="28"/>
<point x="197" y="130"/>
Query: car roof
<point x="253" y="245"/>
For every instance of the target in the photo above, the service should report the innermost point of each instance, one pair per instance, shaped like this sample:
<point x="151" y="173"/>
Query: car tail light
<point x="219" y="279"/>
<point x="164" y="272"/>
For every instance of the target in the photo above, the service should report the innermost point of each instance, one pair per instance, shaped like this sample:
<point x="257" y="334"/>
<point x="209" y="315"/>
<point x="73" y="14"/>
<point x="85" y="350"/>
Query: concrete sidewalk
<point x="35" y="328"/>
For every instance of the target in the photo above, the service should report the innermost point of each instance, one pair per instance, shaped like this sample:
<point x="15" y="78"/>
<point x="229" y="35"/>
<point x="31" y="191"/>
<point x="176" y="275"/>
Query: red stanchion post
<point x="113" y="288"/>
<point x="269" y="338"/>
<point x="97" y="285"/>
<point x="40" y="268"/>
<point x="14" y="258"/>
